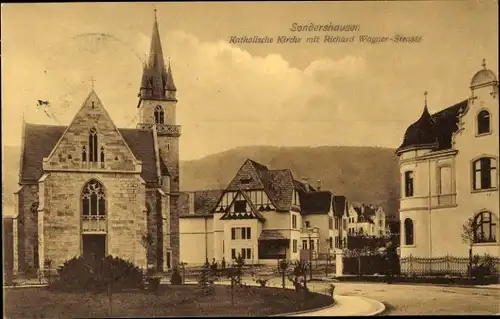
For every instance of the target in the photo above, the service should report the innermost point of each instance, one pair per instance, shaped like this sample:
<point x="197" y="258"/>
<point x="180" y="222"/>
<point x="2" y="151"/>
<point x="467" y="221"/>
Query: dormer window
<point x="245" y="180"/>
<point x="483" y="122"/>
<point x="159" y="114"/>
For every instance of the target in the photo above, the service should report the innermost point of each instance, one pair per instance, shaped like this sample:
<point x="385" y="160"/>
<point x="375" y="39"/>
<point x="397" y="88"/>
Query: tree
<point x="468" y="231"/>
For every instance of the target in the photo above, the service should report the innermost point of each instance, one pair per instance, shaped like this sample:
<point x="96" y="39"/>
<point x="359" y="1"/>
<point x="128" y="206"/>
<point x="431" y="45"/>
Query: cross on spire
<point x="92" y="80"/>
<point x="155" y="12"/>
<point x="484" y="64"/>
<point x="425" y="97"/>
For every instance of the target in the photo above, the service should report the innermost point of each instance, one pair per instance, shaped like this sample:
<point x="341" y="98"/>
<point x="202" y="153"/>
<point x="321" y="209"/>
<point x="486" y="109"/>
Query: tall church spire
<point x="154" y="77"/>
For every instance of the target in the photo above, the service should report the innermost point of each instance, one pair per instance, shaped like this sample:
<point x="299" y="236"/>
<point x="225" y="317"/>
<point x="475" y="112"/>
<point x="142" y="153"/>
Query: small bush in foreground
<point x="88" y="274"/>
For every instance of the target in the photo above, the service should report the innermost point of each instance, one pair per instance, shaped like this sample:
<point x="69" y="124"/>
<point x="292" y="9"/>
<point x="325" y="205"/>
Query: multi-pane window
<point x="311" y="244"/>
<point x="93" y="206"/>
<point x="409" y="184"/>
<point x="408" y="232"/>
<point x="485" y="228"/>
<point x="233" y="253"/>
<point x="246" y="253"/>
<point x="381" y="223"/>
<point x="294" y="221"/>
<point x="483" y="122"/>
<point x="294" y="245"/>
<point x="240" y="206"/>
<point x="336" y="223"/>
<point x="484" y="173"/>
<point x="159" y="115"/>
<point x="337" y="241"/>
<point x="304" y="244"/>
<point x="241" y="233"/>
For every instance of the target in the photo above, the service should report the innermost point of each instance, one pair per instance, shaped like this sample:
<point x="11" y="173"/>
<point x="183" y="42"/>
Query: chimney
<point x="318" y="184"/>
<point x="305" y="181"/>
<point x="191" y="202"/>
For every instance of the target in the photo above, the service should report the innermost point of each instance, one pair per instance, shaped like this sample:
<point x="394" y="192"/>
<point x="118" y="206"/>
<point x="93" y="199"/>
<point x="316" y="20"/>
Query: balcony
<point x="423" y="202"/>
<point x="163" y="129"/>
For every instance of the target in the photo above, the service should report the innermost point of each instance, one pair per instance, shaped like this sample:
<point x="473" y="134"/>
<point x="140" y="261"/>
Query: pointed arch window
<point x="84" y="154"/>
<point x="93" y="150"/>
<point x="485" y="228"/>
<point x="93" y="206"/>
<point x="159" y="114"/>
<point x="483" y="122"/>
<point x="409" y="240"/>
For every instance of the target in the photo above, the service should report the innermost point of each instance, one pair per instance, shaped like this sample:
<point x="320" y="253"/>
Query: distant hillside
<point x="363" y="174"/>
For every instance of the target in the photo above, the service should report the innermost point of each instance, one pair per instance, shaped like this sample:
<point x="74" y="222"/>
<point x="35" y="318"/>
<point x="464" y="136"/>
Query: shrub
<point x="176" y="278"/>
<point x="262" y="282"/>
<point x="86" y="274"/>
<point x="154" y="284"/>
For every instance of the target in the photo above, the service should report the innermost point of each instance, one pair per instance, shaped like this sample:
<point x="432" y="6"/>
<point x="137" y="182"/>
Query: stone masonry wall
<point x="27" y="226"/>
<point x="169" y="152"/>
<point x="125" y="214"/>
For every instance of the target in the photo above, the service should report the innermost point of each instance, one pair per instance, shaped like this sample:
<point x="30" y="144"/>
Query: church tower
<point x="157" y="111"/>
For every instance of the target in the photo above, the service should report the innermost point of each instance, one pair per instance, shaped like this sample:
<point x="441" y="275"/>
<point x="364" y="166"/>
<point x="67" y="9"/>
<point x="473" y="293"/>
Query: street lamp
<point x="310" y="231"/>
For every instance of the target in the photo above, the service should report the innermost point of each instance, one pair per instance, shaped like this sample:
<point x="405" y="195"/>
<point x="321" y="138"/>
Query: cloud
<point x="227" y="97"/>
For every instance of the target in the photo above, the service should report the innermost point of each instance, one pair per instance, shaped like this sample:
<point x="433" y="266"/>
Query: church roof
<point x="39" y="140"/>
<point x="433" y="131"/>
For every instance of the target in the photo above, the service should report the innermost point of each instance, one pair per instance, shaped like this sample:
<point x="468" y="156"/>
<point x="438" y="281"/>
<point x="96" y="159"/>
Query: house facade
<point x="93" y="189"/>
<point x="449" y="173"/>
<point x="262" y="215"/>
<point x="366" y="220"/>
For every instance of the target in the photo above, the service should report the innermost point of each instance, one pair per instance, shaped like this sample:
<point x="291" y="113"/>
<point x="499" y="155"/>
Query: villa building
<point x="262" y="215"/>
<point x="366" y="220"/>
<point x="449" y="173"/>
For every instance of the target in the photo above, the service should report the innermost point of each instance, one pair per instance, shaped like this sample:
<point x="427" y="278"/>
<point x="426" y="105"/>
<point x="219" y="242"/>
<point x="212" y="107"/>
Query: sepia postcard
<point x="184" y="159"/>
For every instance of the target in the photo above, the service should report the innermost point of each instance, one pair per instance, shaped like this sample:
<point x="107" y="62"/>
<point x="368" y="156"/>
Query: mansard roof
<point x="40" y="140"/>
<point x="433" y="131"/>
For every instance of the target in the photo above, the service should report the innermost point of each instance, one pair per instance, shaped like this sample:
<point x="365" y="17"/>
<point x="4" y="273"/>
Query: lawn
<point x="185" y="300"/>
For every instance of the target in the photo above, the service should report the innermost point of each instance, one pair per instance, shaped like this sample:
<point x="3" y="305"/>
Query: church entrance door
<point x="94" y="246"/>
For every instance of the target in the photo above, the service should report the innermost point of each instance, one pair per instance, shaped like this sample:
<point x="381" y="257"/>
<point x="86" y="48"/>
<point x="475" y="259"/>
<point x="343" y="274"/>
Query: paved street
<point x="420" y="299"/>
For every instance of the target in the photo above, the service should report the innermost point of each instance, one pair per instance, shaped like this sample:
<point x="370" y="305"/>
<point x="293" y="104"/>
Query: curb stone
<point x="304" y="311"/>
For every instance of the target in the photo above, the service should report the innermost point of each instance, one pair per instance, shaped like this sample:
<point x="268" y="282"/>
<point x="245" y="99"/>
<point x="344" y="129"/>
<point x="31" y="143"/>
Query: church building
<point x="93" y="189"/>
<point x="449" y="174"/>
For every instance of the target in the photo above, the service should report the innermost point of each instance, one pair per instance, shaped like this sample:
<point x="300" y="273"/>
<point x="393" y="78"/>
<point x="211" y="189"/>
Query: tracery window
<point x="159" y="115"/>
<point x="93" y="206"/>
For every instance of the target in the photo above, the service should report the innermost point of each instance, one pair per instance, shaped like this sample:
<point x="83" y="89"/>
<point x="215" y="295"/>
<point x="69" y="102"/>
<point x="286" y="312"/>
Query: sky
<point x="231" y="95"/>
